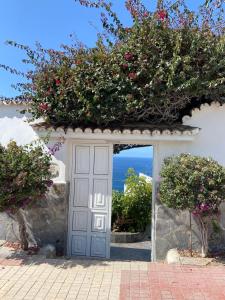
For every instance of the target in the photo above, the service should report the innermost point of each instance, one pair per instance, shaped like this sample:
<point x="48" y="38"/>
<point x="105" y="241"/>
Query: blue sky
<point x="51" y="22"/>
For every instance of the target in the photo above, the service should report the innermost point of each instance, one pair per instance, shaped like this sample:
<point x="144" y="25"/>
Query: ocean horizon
<point x="122" y="164"/>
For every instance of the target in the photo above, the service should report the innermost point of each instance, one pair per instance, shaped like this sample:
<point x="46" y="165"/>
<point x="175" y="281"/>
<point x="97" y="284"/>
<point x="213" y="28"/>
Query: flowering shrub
<point x="196" y="184"/>
<point x="151" y="71"/>
<point x="24" y="178"/>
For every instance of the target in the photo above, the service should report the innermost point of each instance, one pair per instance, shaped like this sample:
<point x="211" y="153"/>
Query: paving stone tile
<point x="113" y="280"/>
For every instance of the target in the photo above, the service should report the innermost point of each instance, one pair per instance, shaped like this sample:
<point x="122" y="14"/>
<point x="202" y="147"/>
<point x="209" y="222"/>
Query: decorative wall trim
<point x="214" y="104"/>
<point x="8" y="101"/>
<point x="178" y="131"/>
<point x="121" y="135"/>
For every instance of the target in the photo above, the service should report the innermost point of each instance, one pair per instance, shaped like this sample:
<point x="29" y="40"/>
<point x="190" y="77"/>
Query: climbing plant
<point x="196" y="184"/>
<point x="147" y="72"/>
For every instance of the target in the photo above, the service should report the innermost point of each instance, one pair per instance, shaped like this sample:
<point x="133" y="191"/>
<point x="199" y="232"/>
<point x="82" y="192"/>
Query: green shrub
<point x="24" y="178"/>
<point x="196" y="184"/>
<point x="132" y="209"/>
<point x="117" y="205"/>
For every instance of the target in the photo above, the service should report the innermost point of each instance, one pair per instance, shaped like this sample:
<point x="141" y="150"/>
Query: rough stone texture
<point x="48" y="251"/>
<point x="127" y="237"/>
<point x="46" y="221"/>
<point x="8" y="228"/>
<point x="173" y="231"/>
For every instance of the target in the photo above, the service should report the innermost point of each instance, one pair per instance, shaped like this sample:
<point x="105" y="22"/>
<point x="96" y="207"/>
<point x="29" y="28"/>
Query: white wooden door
<point x="90" y="201"/>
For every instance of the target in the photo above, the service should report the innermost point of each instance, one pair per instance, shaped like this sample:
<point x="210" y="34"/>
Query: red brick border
<point x="11" y="262"/>
<point x="168" y="282"/>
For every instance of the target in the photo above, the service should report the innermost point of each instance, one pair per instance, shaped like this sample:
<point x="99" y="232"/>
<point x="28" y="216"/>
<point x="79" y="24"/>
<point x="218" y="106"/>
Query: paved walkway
<point x="37" y="278"/>
<point x="140" y="251"/>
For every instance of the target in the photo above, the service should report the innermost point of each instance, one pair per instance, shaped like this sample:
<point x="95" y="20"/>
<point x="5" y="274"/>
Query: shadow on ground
<point x="140" y="251"/>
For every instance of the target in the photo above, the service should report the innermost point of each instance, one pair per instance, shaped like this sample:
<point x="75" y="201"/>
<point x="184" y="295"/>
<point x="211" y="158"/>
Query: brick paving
<point x="170" y="282"/>
<point x="63" y="279"/>
<point x="38" y="278"/>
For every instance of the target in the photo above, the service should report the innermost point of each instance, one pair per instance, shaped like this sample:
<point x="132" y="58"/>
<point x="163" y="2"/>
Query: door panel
<point x="99" y="222"/>
<point x="81" y="192"/>
<point x="79" y="244"/>
<point x="101" y="160"/>
<point x="80" y="220"/>
<point x="82" y="160"/>
<point x="98" y="246"/>
<point x="100" y="193"/>
<point x="90" y="204"/>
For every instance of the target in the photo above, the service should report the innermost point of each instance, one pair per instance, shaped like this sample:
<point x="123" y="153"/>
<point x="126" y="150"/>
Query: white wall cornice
<point x="121" y="136"/>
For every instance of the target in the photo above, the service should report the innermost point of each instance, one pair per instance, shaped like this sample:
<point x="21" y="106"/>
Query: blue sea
<point x="122" y="164"/>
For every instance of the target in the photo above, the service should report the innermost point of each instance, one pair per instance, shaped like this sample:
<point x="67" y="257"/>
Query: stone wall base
<point x="46" y="220"/>
<point x="173" y="231"/>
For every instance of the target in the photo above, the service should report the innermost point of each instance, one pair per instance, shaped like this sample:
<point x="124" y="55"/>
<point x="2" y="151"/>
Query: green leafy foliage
<point x="24" y="176"/>
<point x="131" y="211"/>
<point x="117" y="205"/>
<point x="193" y="183"/>
<point x="196" y="184"/>
<point x="150" y="71"/>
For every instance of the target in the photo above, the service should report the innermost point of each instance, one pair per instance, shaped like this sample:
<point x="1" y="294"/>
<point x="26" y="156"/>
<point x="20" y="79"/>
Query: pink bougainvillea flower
<point x="43" y="107"/>
<point x="146" y="14"/>
<point x="57" y="82"/>
<point x="128" y="56"/>
<point x="161" y="15"/>
<point x="132" y="75"/>
<point x="202" y="208"/>
<point x="49" y="91"/>
<point x="125" y="66"/>
<point x="56" y="147"/>
<point x="49" y="183"/>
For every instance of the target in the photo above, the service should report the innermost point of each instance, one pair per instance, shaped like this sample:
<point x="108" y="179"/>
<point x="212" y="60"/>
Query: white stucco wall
<point x="15" y="126"/>
<point x="210" y="142"/>
<point x="171" y="228"/>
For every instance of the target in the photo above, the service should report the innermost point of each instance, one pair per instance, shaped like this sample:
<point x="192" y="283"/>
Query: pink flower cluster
<point x="132" y="75"/>
<point x="128" y="56"/>
<point x="161" y="15"/>
<point x="43" y="107"/>
<point x="49" y="183"/>
<point x="201" y="209"/>
<point x="57" y="81"/>
<point x="56" y="147"/>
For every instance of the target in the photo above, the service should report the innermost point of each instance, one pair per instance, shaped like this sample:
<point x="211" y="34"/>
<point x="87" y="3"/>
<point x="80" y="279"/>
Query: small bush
<point x="196" y="184"/>
<point x="132" y="209"/>
<point x="24" y="178"/>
